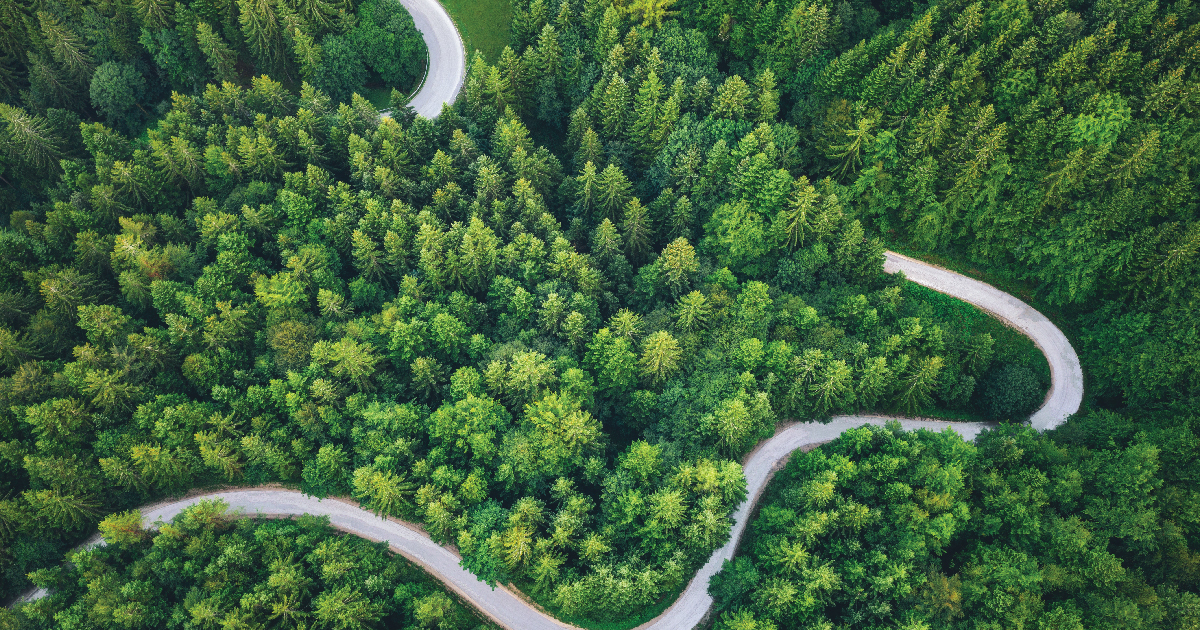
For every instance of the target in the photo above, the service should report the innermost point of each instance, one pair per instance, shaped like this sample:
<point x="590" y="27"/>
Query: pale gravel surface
<point x="447" y="57"/>
<point x="510" y="611"/>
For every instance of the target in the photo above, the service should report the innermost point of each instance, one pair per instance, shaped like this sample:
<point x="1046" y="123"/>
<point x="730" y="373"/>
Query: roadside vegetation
<point x="207" y="569"/>
<point x="483" y="24"/>
<point x="120" y="62"/>
<point x="1086" y="526"/>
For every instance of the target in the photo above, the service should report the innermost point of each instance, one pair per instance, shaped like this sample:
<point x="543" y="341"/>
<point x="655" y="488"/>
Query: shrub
<point x="1010" y="392"/>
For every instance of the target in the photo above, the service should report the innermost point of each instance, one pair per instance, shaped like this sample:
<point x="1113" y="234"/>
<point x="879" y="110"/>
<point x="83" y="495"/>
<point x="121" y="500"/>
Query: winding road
<point x="447" y="57"/>
<point x="510" y="611"/>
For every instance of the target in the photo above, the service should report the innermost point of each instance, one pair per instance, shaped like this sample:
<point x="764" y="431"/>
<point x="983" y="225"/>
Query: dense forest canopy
<point x="1089" y="526"/>
<point x="119" y="62"/>
<point x="549" y="323"/>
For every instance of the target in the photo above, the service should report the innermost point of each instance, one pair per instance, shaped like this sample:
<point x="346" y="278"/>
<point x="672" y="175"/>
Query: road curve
<point x="447" y="57"/>
<point x="1066" y="376"/>
<point x="509" y="610"/>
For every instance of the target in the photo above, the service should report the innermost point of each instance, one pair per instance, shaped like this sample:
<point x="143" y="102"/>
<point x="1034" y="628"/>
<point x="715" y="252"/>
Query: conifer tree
<point x="643" y="132"/>
<point x="614" y="108"/>
<point x="766" y="98"/>
<point x="614" y="192"/>
<point x="733" y="99"/>
<point x="637" y="231"/>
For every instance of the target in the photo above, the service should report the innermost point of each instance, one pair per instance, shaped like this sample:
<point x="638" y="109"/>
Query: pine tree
<point x="307" y="53"/>
<point x="916" y="388"/>
<point x="614" y="108"/>
<point x="681" y="219"/>
<point x="646" y="112"/>
<point x="766" y="98"/>
<point x="587" y="188"/>
<point x="220" y="56"/>
<point x="264" y="37"/>
<point x="591" y="148"/>
<point x="637" y="231"/>
<point x="549" y="54"/>
<point x="660" y="357"/>
<point x="652" y="12"/>
<point x="66" y="47"/>
<point x="580" y="122"/>
<point x="678" y="263"/>
<point x="733" y="99"/>
<point x="793" y="224"/>
<point x="614" y="192"/>
<point x="29" y="139"/>
<point x="668" y="115"/>
<point x="154" y="14"/>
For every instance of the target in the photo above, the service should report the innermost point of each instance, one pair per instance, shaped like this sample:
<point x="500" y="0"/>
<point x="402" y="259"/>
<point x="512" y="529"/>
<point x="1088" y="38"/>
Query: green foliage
<point x="341" y="70"/>
<point x="891" y="528"/>
<point x="205" y="568"/>
<point x="1009" y="392"/>
<point x="553" y="356"/>
<point x="116" y="91"/>
<point x="122" y="63"/>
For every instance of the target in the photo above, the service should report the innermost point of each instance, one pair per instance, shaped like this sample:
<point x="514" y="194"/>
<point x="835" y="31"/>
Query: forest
<point x="548" y="324"/>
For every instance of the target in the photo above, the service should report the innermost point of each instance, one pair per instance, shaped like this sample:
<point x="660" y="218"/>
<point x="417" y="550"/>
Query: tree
<point x="1010" y="392"/>
<point x="834" y="388"/>
<point x="562" y="434"/>
<point x="679" y="263"/>
<point x="342" y="71"/>
<point x="327" y="473"/>
<point x="614" y="192"/>
<point x="345" y="608"/>
<point x="612" y="361"/>
<point x="384" y="492"/>
<point x="794" y="223"/>
<point x="803" y="33"/>
<point x="766" y="98"/>
<point x="264" y="37"/>
<point x="917" y="386"/>
<point x="643" y="132"/>
<point x="733" y="99"/>
<point x="652" y="12"/>
<point x="660" y="357"/>
<point x="637" y="231"/>
<point x="350" y="359"/>
<point x="220" y="56"/>
<point x="856" y="141"/>
<point x="65" y="511"/>
<point x="470" y="429"/>
<point x="614" y="107"/>
<point x="737" y="237"/>
<point x="29" y="139"/>
<point x="693" y="312"/>
<point x="66" y="46"/>
<point x="123" y="529"/>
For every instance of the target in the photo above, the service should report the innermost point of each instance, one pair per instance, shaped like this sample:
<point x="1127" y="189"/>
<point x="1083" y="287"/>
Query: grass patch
<point x="483" y="24"/>
<point x="379" y="97"/>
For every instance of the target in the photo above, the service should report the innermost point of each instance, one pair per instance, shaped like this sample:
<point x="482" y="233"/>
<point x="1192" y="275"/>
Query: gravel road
<point x="509" y="610"/>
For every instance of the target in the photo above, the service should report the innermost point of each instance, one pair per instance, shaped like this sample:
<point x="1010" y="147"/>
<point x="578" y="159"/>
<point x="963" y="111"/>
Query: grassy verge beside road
<point x="483" y="24"/>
